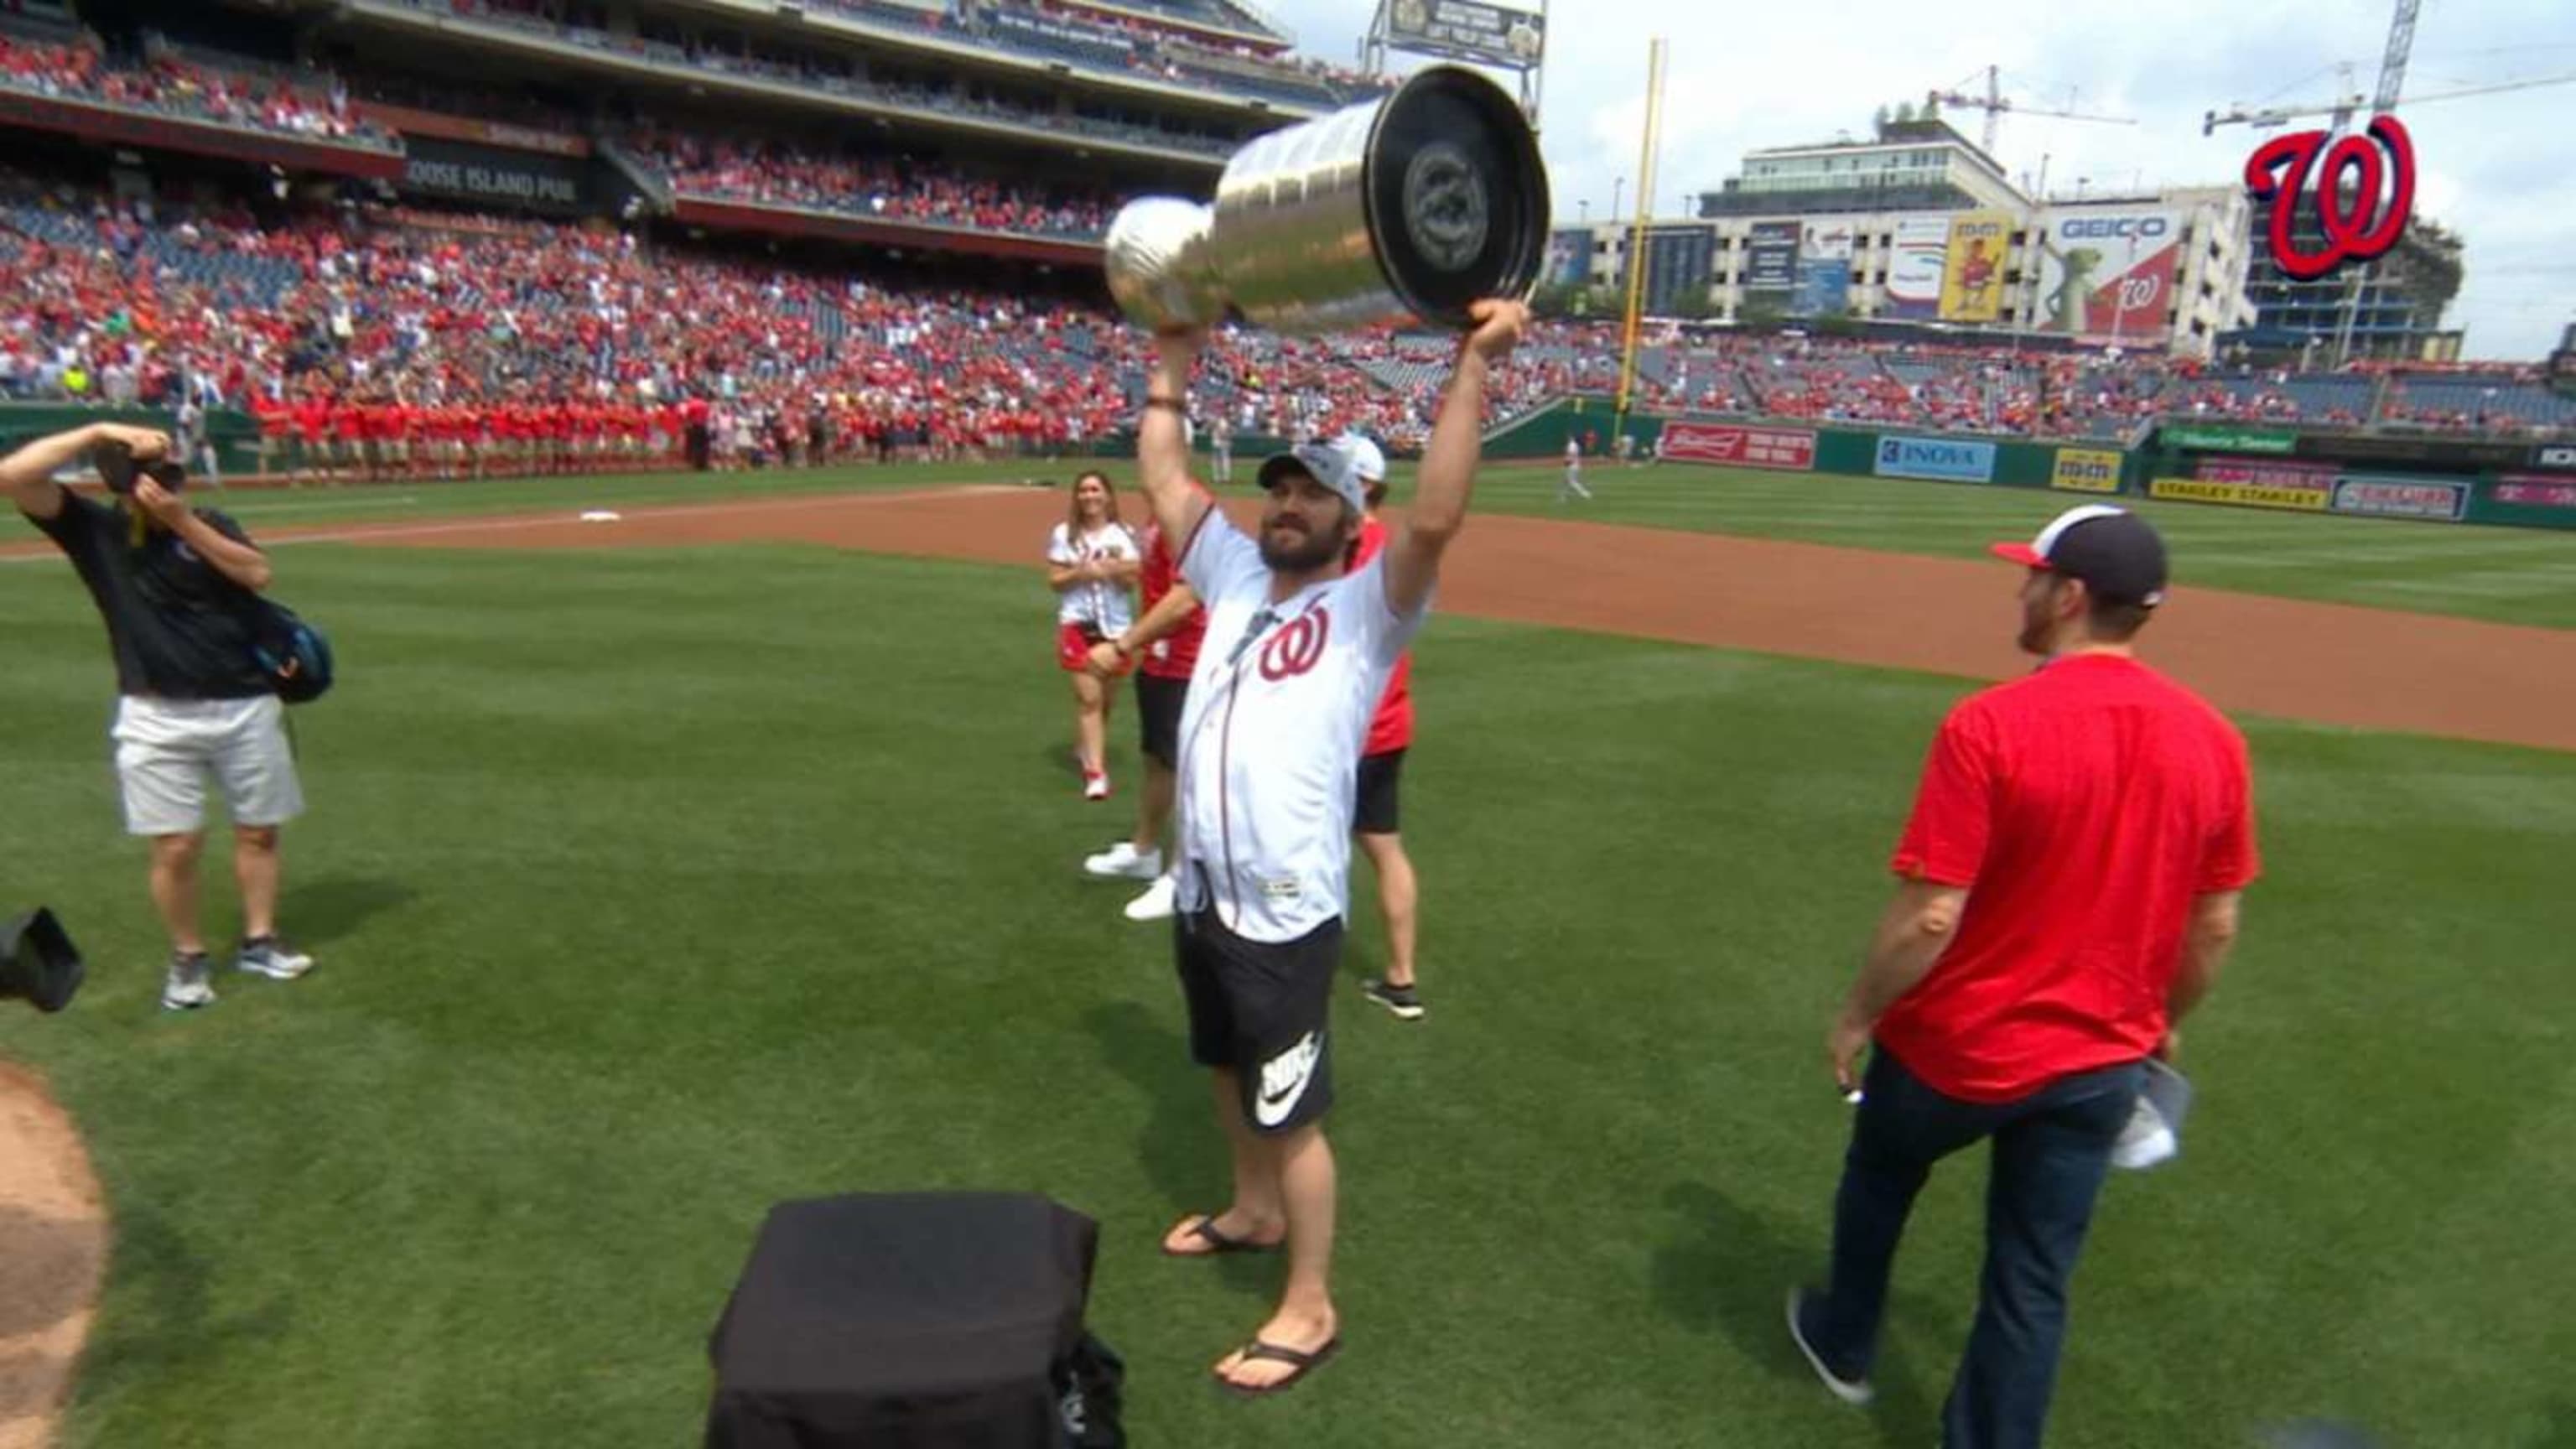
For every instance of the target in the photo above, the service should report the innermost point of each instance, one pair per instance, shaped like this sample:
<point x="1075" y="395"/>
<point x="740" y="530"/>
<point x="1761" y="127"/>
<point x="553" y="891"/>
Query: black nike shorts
<point x="1263" y="1009"/>
<point x="1380" y="775"/>
<point x="1158" y="715"/>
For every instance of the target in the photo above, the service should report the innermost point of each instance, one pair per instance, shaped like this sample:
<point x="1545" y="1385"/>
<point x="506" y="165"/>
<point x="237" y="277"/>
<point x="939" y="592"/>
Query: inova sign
<point x="1943" y="458"/>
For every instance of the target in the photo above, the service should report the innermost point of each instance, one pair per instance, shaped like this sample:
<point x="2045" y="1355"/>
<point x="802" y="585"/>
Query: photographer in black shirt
<point x="177" y="588"/>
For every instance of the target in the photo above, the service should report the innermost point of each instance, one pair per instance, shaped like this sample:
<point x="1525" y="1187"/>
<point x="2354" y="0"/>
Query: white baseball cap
<point x="1367" y="458"/>
<point x="1334" y="464"/>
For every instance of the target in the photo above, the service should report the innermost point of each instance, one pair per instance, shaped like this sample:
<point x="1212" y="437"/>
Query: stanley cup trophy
<point x="1411" y="207"/>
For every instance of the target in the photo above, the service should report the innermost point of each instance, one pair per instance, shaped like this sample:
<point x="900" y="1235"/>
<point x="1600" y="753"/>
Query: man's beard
<point x="2036" y="627"/>
<point x="1302" y="557"/>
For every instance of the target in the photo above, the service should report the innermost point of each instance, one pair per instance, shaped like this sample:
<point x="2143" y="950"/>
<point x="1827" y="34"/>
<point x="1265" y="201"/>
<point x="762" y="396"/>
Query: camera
<point x="38" y="962"/>
<point x="118" y="469"/>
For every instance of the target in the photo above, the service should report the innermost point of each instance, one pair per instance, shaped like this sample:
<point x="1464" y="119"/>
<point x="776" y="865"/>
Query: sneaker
<point x="190" y="983"/>
<point x="270" y="956"/>
<point x="1405" y="1001"/>
<point x="1157" y="903"/>
<point x="1850" y="1391"/>
<point x="1095" y="787"/>
<point x="1122" y="859"/>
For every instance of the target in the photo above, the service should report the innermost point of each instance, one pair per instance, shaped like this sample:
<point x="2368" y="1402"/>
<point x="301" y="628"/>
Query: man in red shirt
<point x="1374" y="823"/>
<point x="1163" y="647"/>
<point x="2069" y="888"/>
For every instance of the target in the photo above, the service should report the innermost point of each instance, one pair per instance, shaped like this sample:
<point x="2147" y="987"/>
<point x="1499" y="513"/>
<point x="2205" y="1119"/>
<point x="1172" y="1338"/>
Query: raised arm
<point x="1162" y="449"/>
<point x="27" y="475"/>
<point x="1448" y="473"/>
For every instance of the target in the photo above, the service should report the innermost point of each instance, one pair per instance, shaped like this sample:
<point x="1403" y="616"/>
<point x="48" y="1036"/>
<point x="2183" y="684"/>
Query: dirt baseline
<point x="2326" y="663"/>
<point x="53" y="1247"/>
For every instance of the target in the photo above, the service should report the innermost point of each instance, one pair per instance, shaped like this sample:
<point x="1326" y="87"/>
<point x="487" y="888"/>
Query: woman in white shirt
<point x="1092" y="563"/>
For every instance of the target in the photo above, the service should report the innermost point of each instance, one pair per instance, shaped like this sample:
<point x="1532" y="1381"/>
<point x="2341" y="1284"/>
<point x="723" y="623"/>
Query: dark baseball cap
<point x="2115" y="552"/>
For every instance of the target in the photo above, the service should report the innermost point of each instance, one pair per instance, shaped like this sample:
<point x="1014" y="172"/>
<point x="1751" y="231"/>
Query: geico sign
<point x="2137" y="226"/>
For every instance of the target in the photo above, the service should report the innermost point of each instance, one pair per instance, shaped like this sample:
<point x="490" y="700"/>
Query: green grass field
<point x="645" y="902"/>
<point x="2520" y="576"/>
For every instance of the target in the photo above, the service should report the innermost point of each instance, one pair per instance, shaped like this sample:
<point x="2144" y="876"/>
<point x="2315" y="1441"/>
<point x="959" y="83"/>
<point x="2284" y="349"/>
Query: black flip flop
<point x="1301" y="1364"/>
<point x="1219" y="1244"/>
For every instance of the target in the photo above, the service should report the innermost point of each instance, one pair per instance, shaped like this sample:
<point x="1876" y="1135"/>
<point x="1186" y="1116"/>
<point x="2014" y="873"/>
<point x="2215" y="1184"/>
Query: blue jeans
<point x="2052" y="1150"/>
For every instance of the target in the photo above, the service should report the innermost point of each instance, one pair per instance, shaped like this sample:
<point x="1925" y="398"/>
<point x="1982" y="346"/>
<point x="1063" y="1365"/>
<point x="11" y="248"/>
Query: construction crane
<point x="2343" y="109"/>
<point x="1994" y="103"/>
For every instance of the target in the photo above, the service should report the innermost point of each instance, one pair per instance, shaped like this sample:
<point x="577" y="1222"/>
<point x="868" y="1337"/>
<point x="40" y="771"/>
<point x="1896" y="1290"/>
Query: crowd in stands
<point x="175" y="85"/>
<point x="1176" y="45"/>
<point x="833" y="77"/>
<point x="572" y="346"/>
<point x="785" y="175"/>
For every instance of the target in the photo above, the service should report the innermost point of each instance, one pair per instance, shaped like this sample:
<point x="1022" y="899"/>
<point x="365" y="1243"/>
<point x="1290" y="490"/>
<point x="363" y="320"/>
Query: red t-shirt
<point x="1392" y="729"/>
<point x="1175" y="654"/>
<point x="2084" y="807"/>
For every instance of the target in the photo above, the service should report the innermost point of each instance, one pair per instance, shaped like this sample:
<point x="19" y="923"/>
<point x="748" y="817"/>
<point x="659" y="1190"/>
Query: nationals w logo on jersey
<point x="1298" y="647"/>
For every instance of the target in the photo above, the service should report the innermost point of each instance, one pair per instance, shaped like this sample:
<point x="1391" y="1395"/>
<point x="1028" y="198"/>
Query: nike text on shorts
<point x="1263" y="1010"/>
<point x="168" y="749"/>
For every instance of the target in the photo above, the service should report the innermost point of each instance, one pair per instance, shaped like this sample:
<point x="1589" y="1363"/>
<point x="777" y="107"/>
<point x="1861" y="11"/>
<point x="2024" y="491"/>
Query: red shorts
<point x="1073" y="648"/>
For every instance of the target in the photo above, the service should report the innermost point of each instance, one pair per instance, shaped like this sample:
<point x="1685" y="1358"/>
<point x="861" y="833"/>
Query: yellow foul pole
<point x="1637" y="235"/>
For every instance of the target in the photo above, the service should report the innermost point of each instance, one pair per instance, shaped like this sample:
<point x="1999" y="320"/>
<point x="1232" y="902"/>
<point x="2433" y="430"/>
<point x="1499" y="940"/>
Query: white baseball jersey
<point x="1270" y="738"/>
<point x="1101" y="603"/>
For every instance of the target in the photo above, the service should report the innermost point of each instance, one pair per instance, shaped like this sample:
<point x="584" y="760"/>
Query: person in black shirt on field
<point x="176" y="586"/>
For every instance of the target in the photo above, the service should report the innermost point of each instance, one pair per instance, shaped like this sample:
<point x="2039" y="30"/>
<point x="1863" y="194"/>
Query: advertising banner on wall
<point x="2434" y="498"/>
<point x="1948" y="459"/>
<point x="1914" y="271"/>
<point x="2252" y="483"/>
<point x="2106" y="274"/>
<point x="1972" y="266"/>
<point x="2532" y="491"/>
<point x="2086" y="470"/>
<point x="1466" y="30"/>
<point x="1569" y="258"/>
<point x="1824" y="269"/>
<point x="489" y="174"/>
<point x="2226" y="439"/>
<point x="1771" y="256"/>
<point x="1791" y="448"/>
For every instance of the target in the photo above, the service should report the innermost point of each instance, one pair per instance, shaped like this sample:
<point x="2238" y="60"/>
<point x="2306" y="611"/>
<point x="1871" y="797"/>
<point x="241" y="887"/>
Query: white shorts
<point x="167" y="748"/>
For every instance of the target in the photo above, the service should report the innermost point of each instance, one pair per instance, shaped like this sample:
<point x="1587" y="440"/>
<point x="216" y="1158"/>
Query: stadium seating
<point x="777" y="174"/>
<point x="176" y="85"/>
<point x="114" y="299"/>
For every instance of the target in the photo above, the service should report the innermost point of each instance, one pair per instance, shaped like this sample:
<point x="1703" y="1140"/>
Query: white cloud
<point x="1745" y="77"/>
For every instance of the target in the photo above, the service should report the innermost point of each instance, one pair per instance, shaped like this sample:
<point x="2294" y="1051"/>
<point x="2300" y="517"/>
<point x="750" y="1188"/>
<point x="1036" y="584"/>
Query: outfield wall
<point x="2442" y="480"/>
<point x="235" y="434"/>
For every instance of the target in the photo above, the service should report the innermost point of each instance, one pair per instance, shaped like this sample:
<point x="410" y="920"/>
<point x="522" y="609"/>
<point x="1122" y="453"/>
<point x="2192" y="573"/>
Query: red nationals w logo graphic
<point x="2347" y="239"/>
<point x="1296" y="648"/>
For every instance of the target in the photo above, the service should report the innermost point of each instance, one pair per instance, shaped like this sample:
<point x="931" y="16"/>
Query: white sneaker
<point x="1095" y="787"/>
<point x="1122" y="860"/>
<point x="271" y="957"/>
<point x="1156" y="904"/>
<point x="188" y="983"/>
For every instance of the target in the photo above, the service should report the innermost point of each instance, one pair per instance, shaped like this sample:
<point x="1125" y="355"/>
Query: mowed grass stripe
<point x="653" y="888"/>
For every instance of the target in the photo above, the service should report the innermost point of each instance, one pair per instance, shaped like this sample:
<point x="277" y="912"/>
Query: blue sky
<point x="2500" y="169"/>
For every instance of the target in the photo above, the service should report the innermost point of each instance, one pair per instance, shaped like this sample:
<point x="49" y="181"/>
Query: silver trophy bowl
<point x="1407" y="208"/>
